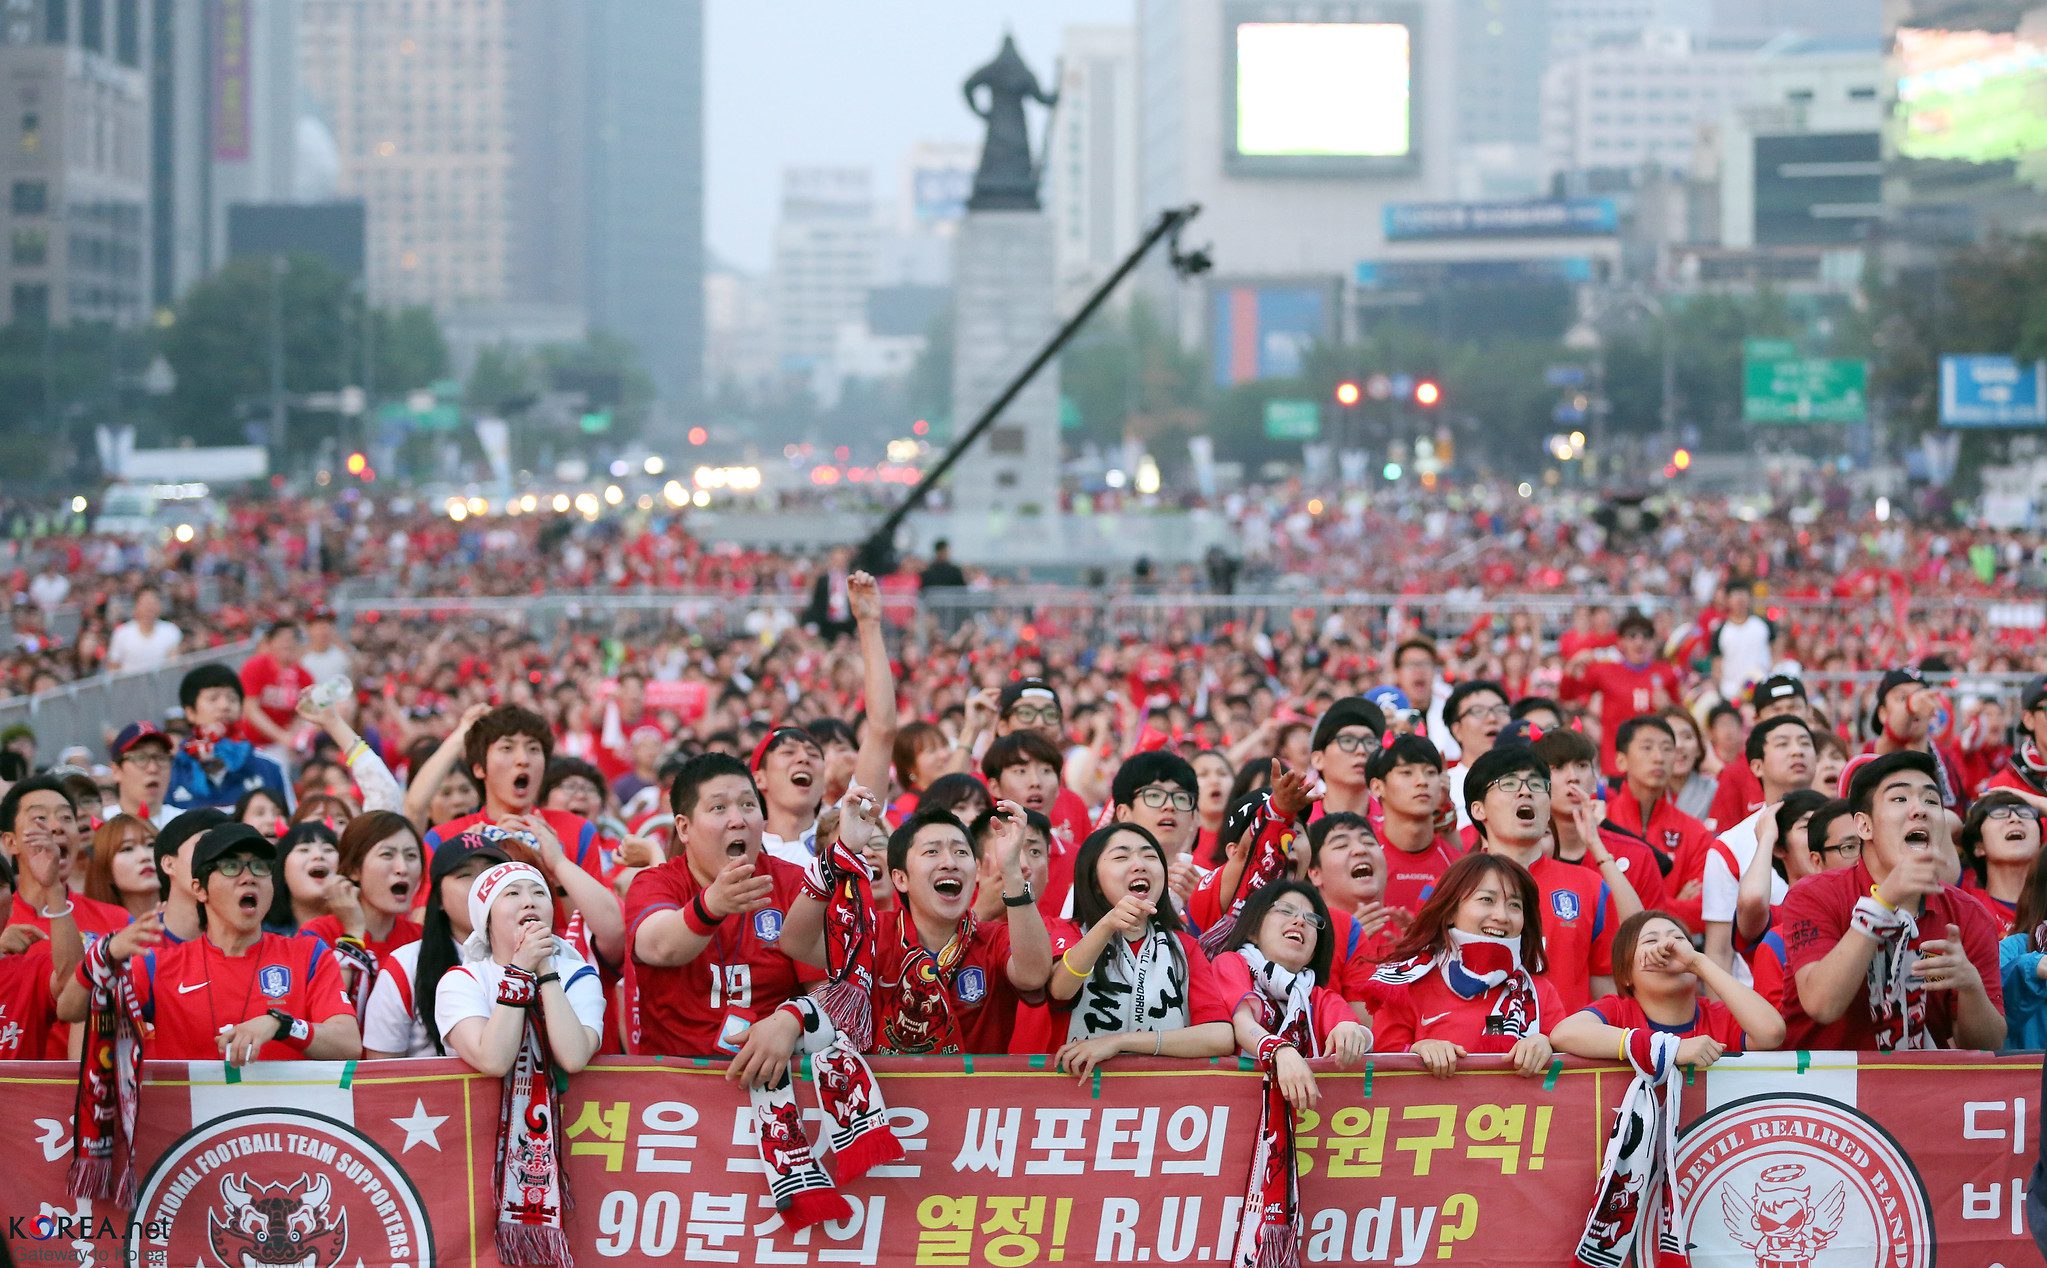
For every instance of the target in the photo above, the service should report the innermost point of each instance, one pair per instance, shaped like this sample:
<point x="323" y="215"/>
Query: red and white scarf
<point x="838" y="878"/>
<point x="109" y="1085"/>
<point x="531" y="1187"/>
<point x="1897" y="999"/>
<point x="1269" y="859"/>
<point x="1634" y="1216"/>
<point x="916" y="1016"/>
<point x="1270" y="1235"/>
<point x="1472" y="965"/>
<point x="860" y="1137"/>
<point x="1132" y="991"/>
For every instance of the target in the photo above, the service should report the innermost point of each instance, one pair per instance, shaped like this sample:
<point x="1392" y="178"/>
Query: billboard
<point x="1817" y="188"/>
<point x="1780" y="386"/>
<point x="1971" y="96"/>
<point x="1992" y="391"/>
<point x="938" y="195"/>
<point x="1263" y="330"/>
<point x="1537" y="218"/>
<point x="1326" y="90"/>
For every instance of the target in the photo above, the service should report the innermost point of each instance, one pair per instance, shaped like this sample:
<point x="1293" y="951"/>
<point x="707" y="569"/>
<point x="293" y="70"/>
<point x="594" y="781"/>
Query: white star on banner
<point x="420" y="1127"/>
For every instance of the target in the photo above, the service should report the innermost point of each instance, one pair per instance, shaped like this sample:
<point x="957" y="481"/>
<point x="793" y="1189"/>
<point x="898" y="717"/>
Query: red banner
<point x="1817" y="1159"/>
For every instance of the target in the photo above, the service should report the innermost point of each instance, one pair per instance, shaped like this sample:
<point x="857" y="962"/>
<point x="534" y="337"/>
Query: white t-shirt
<point x="1720" y="890"/>
<point x="1455" y="778"/>
<point x="1744" y="649"/>
<point x="471" y="990"/>
<point x="799" y="852"/>
<point x="335" y="662"/>
<point x="130" y="649"/>
<point x="390" y="1020"/>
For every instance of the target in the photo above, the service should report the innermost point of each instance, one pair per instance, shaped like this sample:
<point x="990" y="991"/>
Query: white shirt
<point x="131" y="649"/>
<point x="390" y="1020"/>
<point x="47" y="590"/>
<point x="1720" y="891"/>
<point x="471" y="990"/>
<point x="1455" y="777"/>
<point x="1744" y="656"/>
<point x="799" y="852"/>
<point x="335" y="662"/>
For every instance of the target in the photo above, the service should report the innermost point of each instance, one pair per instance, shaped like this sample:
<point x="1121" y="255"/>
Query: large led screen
<point x="1972" y="96"/>
<point x="1321" y="95"/>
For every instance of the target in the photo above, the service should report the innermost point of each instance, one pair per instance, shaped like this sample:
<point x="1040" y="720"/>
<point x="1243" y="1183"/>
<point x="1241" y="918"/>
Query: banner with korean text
<point x="1816" y="1159"/>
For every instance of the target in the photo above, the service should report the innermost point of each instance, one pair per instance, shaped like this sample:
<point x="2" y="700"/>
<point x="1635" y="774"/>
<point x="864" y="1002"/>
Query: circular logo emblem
<point x="971" y="985"/>
<point x="274" y="981"/>
<point x="767" y="924"/>
<point x="278" y="1187"/>
<point x="1565" y="904"/>
<point x="1781" y="1182"/>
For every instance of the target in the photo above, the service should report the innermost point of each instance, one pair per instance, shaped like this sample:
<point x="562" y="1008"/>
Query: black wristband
<point x="545" y="978"/>
<point x="1024" y="899"/>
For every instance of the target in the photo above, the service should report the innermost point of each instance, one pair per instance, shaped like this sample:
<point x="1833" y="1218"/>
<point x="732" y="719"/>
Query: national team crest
<point x="1804" y="1182"/>
<point x="1565" y="904"/>
<point x="274" y="981"/>
<point x="767" y="924"/>
<point x="971" y="986"/>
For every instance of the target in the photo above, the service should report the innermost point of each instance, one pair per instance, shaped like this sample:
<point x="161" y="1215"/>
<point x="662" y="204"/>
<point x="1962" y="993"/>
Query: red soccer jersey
<point x="1326" y="1009"/>
<point x="1577" y="928"/>
<point x="188" y="991"/>
<point x="274" y="689"/>
<point x="1411" y="878"/>
<point x="979" y="1000"/>
<point x="700" y="1009"/>
<point x="1637" y="862"/>
<point x="1036" y="1028"/>
<point x="2005" y="914"/>
<point x="1674" y="835"/>
<point x="1353" y="957"/>
<point x="1624" y="691"/>
<point x="1815" y="916"/>
<point x="1738" y="795"/>
<point x="94" y="918"/>
<point x="1429" y="1009"/>
<point x="1712" y="1020"/>
<point x="328" y="930"/>
<point x="28" y="1012"/>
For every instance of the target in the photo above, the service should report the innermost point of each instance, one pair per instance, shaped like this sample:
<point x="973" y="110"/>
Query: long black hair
<point x="438" y="953"/>
<point x="1091" y="906"/>
<point x="1252" y="918"/>
<point x="283" y="917"/>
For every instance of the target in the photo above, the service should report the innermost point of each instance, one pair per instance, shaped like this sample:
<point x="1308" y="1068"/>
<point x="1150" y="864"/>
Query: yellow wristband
<point x="1070" y="969"/>
<point x="1888" y="906"/>
<point x="1622" y="1055"/>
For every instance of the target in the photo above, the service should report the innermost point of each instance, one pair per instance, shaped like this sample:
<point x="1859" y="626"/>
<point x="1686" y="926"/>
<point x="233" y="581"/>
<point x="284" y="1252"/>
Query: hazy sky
<point x="852" y="82"/>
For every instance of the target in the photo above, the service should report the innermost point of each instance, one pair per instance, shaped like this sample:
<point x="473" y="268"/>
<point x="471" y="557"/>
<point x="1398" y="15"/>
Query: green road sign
<point x="1779" y="386"/>
<point x="1293" y="420"/>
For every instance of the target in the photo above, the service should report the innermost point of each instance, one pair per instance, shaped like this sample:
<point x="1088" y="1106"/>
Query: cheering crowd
<point x="1647" y="841"/>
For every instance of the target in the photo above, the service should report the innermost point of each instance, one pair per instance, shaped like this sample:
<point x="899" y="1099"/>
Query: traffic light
<point x="1682" y="459"/>
<point x="1347" y="394"/>
<point x="698" y="435"/>
<point x="1427" y="394"/>
<point x="357" y="464"/>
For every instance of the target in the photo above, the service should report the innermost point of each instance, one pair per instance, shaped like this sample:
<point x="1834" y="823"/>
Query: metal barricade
<point x="89" y="712"/>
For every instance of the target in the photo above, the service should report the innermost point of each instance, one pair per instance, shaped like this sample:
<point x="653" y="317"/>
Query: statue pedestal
<point x="1003" y="313"/>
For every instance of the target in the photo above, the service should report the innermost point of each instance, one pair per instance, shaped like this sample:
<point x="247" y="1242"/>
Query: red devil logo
<point x="277" y="1225"/>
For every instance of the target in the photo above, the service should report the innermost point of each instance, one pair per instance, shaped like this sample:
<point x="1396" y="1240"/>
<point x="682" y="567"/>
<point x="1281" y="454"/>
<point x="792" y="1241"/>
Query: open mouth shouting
<point x="1141" y="886"/>
<point x="1362" y="870"/>
<point x="802" y="777"/>
<point x="1296" y="935"/>
<point x="1919" y="838"/>
<point x="2019" y="831"/>
<point x="401" y="890"/>
<point x="1525" y="812"/>
<point x="948" y="887"/>
<point x="246" y="902"/>
<point x="522" y="784"/>
<point x="735" y="848"/>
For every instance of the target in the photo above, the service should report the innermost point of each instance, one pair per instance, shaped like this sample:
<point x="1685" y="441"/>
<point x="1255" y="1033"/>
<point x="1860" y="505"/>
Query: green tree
<point x="410" y="350"/>
<point x="501" y="382"/>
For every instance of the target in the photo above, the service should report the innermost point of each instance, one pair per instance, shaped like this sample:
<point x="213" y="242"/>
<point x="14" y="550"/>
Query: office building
<point x="1090" y="186"/>
<point x="1624" y="107"/>
<point x="75" y="77"/>
<point x="825" y="247"/>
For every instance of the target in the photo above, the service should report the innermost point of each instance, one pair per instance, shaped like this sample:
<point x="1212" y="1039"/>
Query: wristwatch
<point x="1024" y="899"/>
<point x="291" y="1029"/>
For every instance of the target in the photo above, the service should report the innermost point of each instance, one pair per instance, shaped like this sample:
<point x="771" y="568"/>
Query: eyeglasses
<point x="233" y="867"/>
<point x="2011" y="812"/>
<point x="1486" y="713"/>
<point x="1290" y="913"/>
<point x="1849" y="849"/>
<point x="1035" y="715"/>
<point x="1522" y="783"/>
<point x="148" y="761"/>
<point x="1351" y="742"/>
<point x="1160" y="798"/>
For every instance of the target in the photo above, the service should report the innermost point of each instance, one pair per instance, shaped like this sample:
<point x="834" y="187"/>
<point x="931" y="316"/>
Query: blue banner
<point x="1992" y="391"/>
<point x="1540" y="218"/>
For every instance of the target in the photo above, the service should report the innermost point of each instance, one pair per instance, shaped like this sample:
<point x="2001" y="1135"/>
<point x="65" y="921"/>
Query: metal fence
<point x="90" y="711"/>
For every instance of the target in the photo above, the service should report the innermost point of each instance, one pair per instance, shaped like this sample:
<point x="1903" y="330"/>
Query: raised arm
<point x="878" y="684"/>
<point x="419" y="794"/>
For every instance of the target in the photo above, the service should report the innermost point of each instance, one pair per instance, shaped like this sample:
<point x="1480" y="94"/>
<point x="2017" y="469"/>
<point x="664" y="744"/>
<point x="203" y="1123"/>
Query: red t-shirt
<point x="328" y="930"/>
<point x="1738" y="795"/>
<point x="1036" y="1029"/>
<point x="1674" y="835"/>
<point x="1326" y="1009"/>
<point x="1637" y="862"/>
<point x="1429" y="1009"/>
<point x="577" y="834"/>
<point x="1411" y="878"/>
<point x="1353" y="957"/>
<point x="1204" y="998"/>
<point x="186" y="992"/>
<point x="1577" y="928"/>
<point x="93" y="917"/>
<point x="1624" y="691"/>
<point x="2005" y="914"/>
<point x="1713" y="1020"/>
<point x="28" y="1012"/>
<point x="1816" y="915"/>
<point x="274" y="689"/>
<point x="743" y="974"/>
<point x="980" y="1001"/>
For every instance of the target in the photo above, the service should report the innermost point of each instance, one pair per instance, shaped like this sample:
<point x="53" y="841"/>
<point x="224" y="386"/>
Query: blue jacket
<point x="2025" y="995"/>
<point x="244" y="770"/>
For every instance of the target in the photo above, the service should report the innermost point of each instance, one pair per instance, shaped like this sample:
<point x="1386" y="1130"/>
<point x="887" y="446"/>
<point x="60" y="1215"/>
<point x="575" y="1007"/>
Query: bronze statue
<point x="1007" y="179"/>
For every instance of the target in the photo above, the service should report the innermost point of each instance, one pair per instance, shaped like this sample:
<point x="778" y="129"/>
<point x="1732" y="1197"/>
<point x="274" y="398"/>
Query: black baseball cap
<point x="482" y="841"/>
<point x="1892" y="681"/>
<point x="186" y="826"/>
<point x="2034" y="695"/>
<point x="1026" y="689"/>
<point x="1776" y="687"/>
<point x="227" y="839"/>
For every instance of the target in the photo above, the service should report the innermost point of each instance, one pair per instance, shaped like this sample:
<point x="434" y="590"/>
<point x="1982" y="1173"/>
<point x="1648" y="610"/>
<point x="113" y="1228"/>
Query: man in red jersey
<point x="1406" y="778"/>
<point x="507" y="751"/>
<point x="37" y="810"/>
<point x="1581" y="838"/>
<point x="34" y="967"/>
<point x="236" y="993"/>
<point x="1883" y="955"/>
<point x="1508" y="797"/>
<point x="1347" y="865"/>
<point x="1029" y="704"/>
<point x="2026" y="769"/>
<point x="1646" y="747"/>
<point x="273" y="680"/>
<point x="705" y="930"/>
<point x="1639" y="682"/>
<point x="1740" y="793"/>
